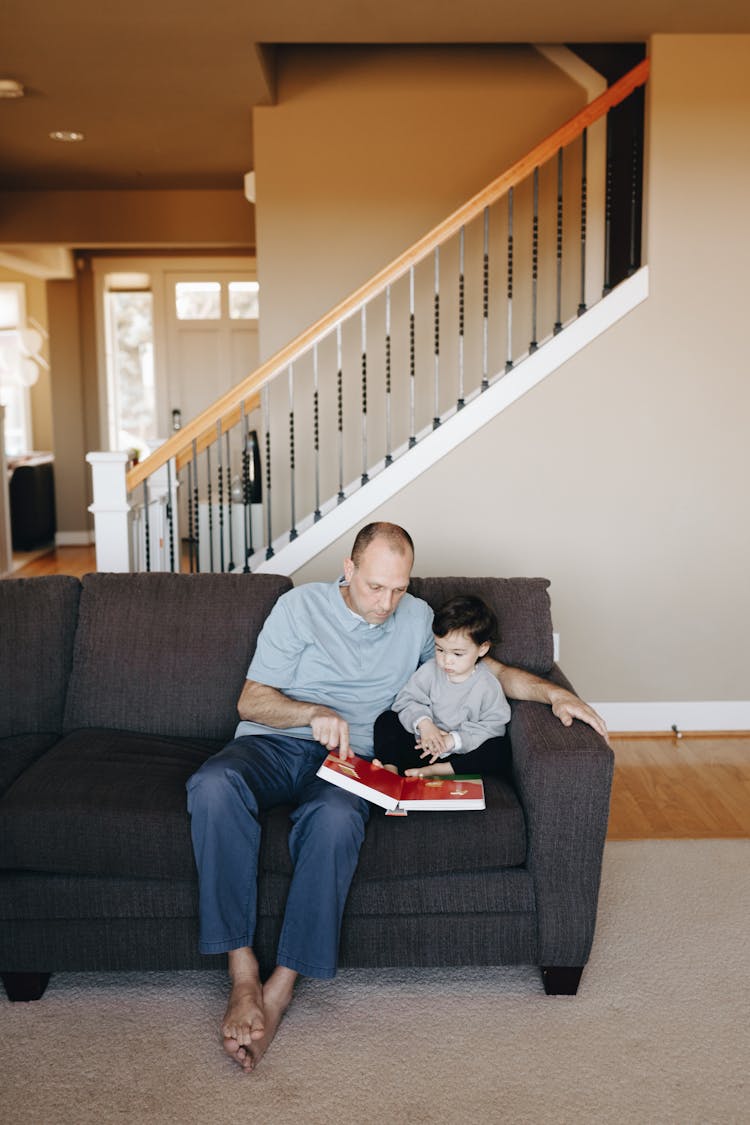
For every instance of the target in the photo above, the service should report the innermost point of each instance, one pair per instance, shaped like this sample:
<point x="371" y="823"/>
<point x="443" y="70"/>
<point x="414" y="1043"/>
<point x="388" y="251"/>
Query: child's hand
<point x="433" y="742"/>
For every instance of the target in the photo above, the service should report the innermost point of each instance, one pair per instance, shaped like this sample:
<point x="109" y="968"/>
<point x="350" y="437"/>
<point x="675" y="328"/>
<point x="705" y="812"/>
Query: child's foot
<point x="437" y="769"/>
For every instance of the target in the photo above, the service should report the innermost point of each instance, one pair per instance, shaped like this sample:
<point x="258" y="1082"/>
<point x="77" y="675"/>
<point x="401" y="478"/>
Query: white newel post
<point x="111" y="511"/>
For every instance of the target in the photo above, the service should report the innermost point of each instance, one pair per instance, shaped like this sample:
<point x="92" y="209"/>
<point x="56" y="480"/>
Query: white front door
<point x="211" y="337"/>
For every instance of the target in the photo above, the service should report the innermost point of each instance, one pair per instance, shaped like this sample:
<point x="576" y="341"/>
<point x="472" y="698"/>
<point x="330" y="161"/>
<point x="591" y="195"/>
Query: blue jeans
<point x="225" y="797"/>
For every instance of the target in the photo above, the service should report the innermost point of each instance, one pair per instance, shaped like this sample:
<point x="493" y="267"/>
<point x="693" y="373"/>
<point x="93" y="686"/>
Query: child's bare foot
<point x="437" y="769"/>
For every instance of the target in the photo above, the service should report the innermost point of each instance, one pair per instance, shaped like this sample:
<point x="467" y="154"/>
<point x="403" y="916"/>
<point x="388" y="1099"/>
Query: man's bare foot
<point x="277" y="996"/>
<point x="244" y="1020"/>
<point x="437" y="769"/>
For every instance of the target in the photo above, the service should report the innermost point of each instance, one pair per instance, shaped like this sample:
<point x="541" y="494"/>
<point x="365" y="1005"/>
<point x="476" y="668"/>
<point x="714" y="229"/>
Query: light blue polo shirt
<point x="314" y="649"/>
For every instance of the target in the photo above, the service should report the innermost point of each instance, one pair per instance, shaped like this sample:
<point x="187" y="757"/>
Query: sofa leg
<point x="561" y="980"/>
<point x="25" y="986"/>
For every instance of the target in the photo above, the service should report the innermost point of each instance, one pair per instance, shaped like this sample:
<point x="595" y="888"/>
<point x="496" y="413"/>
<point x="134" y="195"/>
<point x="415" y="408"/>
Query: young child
<point x="450" y="716"/>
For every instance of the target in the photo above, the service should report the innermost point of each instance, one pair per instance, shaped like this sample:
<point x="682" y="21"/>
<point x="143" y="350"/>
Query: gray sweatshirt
<point x="476" y="709"/>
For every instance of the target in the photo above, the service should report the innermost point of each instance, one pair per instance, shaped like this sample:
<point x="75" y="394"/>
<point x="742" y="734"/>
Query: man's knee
<point x="215" y="785"/>
<point x="337" y="816"/>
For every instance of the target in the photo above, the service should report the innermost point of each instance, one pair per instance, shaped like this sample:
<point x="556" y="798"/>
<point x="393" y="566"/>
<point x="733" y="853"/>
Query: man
<point x="330" y="658"/>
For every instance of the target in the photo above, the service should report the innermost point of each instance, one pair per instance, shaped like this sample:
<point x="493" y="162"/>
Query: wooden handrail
<point x="209" y="435"/>
<point x="204" y="422"/>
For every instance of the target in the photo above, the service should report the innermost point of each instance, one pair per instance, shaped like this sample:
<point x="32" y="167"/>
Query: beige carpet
<point x="658" y="1033"/>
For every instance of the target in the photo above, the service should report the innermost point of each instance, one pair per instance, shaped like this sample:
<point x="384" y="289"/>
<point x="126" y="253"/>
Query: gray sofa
<point x="116" y="688"/>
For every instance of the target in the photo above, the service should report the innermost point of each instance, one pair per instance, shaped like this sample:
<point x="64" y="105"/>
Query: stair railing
<point x="394" y="360"/>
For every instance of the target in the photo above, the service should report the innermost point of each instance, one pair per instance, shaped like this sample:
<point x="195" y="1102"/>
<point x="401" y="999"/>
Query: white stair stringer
<point x="455" y="427"/>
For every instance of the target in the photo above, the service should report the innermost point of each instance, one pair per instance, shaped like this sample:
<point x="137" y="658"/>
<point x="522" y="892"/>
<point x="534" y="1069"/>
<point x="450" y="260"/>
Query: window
<point x="18" y="368"/>
<point x="130" y="353"/>
<point x="243" y="300"/>
<point x="198" y="300"/>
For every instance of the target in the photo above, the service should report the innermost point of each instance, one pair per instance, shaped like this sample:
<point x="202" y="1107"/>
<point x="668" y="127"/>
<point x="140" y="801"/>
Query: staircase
<point x="465" y="321"/>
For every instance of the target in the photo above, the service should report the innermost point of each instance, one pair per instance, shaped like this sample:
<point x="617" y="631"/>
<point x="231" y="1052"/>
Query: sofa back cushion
<point x="522" y="607"/>
<point x="37" y="626"/>
<point x="166" y="654"/>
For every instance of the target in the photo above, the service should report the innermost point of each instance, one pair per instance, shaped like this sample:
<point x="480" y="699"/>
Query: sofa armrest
<point x="563" y="777"/>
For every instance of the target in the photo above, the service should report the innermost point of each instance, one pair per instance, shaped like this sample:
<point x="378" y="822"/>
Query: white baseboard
<point x="711" y="715"/>
<point x="74" y="538"/>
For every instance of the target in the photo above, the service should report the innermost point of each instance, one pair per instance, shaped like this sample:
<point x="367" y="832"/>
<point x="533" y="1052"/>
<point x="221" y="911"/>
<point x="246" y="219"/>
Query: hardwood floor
<point x="687" y="788"/>
<point x="664" y="787"/>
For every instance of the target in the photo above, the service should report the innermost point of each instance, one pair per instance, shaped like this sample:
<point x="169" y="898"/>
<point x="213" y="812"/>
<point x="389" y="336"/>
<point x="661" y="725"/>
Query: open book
<point x="423" y="794"/>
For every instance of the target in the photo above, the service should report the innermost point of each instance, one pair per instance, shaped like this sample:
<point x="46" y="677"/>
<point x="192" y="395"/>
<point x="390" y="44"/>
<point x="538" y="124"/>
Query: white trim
<point x="574" y="67"/>
<point x="74" y="538"/>
<point x="504" y="390"/>
<point x="711" y="715"/>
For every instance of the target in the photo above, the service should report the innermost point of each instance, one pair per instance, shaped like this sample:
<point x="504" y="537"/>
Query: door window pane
<point x="243" y="300"/>
<point x="198" y="300"/>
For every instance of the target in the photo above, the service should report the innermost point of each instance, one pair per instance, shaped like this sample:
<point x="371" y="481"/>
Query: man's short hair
<point x="396" y="537"/>
<point x="466" y="614"/>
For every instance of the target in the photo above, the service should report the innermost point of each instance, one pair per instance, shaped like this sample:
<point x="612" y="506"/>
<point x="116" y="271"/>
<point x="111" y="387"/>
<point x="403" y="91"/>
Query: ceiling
<point x="163" y="90"/>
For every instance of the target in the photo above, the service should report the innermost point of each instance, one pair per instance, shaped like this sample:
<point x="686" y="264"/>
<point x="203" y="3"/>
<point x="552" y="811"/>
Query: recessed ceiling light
<point x="67" y="136"/>
<point x="9" y="88"/>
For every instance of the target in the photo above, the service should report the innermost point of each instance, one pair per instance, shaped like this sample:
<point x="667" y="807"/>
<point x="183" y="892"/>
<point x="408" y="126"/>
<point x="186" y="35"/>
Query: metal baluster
<point x="534" y="261"/>
<point x="292" y="462"/>
<point x="558" y="322"/>
<point x="485" y="299"/>
<point x="509" y="355"/>
<point x="584" y="190"/>
<point x="170" y="517"/>
<point x="220" y="476"/>
<point x="461" y="317"/>
<point x="209" y="496"/>
<point x="436" y="329"/>
<point x="635" y="165"/>
<point x="388" y="454"/>
<point x="246" y="497"/>
<point x="608" y="211"/>
<point x="412" y="360"/>
<point x="231" y="563"/>
<point x="191" y="563"/>
<point x="266" y="399"/>
<point x="146" y="524"/>
<point x="196" y="507"/>
<point x="340" y="401"/>
<point x="316" y="433"/>
<point x="365" y="476"/>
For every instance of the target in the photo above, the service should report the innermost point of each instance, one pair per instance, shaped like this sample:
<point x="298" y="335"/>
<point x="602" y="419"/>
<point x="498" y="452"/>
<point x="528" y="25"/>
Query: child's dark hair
<point x="466" y="614"/>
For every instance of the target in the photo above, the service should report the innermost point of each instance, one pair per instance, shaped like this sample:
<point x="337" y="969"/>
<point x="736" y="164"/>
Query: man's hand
<point x="332" y="731"/>
<point x="568" y="707"/>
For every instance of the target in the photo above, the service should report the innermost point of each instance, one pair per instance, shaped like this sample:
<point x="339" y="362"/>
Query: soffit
<point x="164" y="89"/>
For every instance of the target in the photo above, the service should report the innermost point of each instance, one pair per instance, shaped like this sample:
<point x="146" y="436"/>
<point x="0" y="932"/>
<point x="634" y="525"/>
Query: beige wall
<point x="624" y="477"/>
<point x="368" y="148"/>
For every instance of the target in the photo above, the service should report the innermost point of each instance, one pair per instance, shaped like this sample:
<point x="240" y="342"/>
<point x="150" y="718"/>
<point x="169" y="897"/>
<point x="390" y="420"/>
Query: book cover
<point x="391" y="792"/>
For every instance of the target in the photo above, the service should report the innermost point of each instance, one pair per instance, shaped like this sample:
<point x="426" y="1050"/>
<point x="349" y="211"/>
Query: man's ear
<point x="484" y="648"/>
<point x="348" y="570"/>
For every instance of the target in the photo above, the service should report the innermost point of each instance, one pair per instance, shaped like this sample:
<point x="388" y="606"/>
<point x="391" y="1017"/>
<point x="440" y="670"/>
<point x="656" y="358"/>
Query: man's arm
<point x="518" y="684"/>
<point x="260" y="703"/>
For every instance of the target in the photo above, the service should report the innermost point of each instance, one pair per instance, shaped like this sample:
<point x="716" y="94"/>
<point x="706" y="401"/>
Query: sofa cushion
<point x="166" y="654"/>
<point x="423" y="843"/>
<point x="37" y="625"/>
<point x="522" y="607"/>
<point x="104" y="802"/>
<point x="18" y="752"/>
